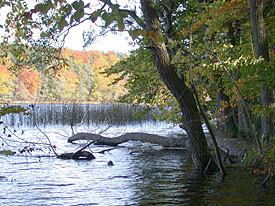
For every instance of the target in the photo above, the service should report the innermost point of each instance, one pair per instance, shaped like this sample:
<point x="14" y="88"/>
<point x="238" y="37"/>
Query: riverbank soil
<point x="244" y="152"/>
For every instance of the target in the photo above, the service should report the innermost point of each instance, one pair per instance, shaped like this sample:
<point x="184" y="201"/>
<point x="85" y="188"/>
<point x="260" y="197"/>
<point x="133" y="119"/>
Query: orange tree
<point x="31" y="80"/>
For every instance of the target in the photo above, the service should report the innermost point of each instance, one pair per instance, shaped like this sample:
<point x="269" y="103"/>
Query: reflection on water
<point x="75" y="114"/>
<point x="143" y="174"/>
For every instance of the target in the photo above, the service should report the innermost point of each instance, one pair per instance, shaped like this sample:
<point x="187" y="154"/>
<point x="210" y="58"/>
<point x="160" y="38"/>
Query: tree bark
<point x="191" y="119"/>
<point x="261" y="49"/>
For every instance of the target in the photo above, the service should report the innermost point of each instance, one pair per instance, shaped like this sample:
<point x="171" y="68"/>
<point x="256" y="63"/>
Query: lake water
<point x="143" y="174"/>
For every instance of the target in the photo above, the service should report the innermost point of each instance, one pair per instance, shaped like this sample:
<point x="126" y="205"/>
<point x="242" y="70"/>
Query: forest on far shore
<point x="80" y="81"/>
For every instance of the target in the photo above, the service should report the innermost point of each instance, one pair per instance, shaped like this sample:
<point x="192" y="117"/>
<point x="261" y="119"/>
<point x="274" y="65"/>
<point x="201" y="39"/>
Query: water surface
<point x="143" y="173"/>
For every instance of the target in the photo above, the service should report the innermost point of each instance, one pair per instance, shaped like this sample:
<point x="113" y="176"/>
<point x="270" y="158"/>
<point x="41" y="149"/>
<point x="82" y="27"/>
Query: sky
<point x="112" y="42"/>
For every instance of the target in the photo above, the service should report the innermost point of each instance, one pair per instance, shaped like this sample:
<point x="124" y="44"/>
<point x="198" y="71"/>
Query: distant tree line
<point x="80" y="80"/>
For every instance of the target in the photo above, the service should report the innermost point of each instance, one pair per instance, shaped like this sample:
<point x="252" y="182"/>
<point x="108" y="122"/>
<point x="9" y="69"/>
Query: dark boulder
<point x="110" y="163"/>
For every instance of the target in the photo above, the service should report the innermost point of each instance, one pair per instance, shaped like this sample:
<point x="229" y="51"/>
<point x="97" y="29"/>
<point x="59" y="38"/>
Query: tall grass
<point x="75" y="114"/>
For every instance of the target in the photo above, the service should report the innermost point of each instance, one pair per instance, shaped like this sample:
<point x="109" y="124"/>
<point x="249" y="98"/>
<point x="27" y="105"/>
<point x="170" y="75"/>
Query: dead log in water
<point x="228" y="146"/>
<point x="80" y="155"/>
<point x="134" y="136"/>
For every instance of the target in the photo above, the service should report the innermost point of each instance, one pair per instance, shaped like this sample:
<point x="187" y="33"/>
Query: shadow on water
<point x="168" y="177"/>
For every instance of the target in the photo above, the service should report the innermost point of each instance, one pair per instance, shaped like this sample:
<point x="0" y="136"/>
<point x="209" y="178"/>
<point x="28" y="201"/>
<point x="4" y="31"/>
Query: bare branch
<point x="48" y="140"/>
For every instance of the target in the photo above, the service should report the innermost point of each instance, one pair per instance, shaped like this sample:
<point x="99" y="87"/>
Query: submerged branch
<point x="50" y="143"/>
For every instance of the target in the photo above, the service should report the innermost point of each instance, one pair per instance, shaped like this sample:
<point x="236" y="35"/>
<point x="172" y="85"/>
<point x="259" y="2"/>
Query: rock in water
<point x="110" y="163"/>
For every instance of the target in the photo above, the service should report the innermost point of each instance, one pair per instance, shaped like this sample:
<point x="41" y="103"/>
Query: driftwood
<point x="135" y="136"/>
<point x="79" y="155"/>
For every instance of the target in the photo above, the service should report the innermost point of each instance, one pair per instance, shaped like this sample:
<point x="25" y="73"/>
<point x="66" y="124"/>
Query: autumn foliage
<point x="31" y="80"/>
<point x="79" y="80"/>
<point x="6" y="83"/>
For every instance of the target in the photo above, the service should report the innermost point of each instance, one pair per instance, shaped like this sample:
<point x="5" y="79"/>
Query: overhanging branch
<point x="129" y="12"/>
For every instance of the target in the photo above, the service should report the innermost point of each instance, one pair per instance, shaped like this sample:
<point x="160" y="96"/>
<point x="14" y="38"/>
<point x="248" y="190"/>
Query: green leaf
<point x="95" y="15"/>
<point x="43" y="35"/>
<point x="6" y="152"/>
<point x="107" y="18"/>
<point x="78" y="15"/>
<point x="135" y="33"/>
<point x="115" y="9"/>
<point x="62" y="24"/>
<point x="72" y="19"/>
<point x="75" y="4"/>
<point x="78" y="5"/>
<point x="2" y="4"/>
<point x="46" y="7"/>
<point x="123" y="14"/>
<point x="68" y="10"/>
<point x="121" y="25"/>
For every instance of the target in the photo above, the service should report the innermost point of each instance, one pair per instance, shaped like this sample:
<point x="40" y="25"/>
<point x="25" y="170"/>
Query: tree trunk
<point x="226" y="122"/>
<point x="242" y="122"/>
<point x="191" y="119"/>
<point x="261" y="48"/>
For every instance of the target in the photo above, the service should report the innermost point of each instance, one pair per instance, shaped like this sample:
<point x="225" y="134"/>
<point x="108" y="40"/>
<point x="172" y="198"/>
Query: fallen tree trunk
<point x="135" y="136"/>
<point x="229" y="148"/>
